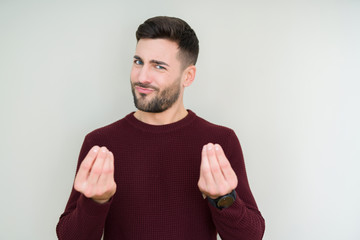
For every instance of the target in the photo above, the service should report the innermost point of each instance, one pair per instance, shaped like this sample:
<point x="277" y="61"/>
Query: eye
<point x="160" y="67"/>
<point x="138" y="62"/>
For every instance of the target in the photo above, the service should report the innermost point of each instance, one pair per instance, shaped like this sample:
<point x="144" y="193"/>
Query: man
<point x="149" y="178"/>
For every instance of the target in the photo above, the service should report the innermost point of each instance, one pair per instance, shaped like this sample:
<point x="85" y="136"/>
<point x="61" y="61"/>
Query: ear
<point x="189" y="75"/>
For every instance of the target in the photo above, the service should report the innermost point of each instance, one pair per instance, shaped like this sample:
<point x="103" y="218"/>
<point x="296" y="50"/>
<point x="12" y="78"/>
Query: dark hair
<point x="174" y="29"/>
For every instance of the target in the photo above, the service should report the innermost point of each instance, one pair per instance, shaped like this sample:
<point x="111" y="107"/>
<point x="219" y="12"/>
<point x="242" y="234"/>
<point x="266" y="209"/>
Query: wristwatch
<point x="223" y="201"/>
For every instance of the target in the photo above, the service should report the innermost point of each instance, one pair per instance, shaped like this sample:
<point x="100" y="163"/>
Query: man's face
<point x="156" y="75"/>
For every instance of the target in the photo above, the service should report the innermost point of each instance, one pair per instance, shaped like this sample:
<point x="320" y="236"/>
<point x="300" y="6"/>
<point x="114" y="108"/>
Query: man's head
<point x="164" y="63"/>
<point x="173" y="29"/>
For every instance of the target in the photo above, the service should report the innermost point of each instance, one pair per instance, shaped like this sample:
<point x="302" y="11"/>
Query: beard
<point x="162" y="101"/>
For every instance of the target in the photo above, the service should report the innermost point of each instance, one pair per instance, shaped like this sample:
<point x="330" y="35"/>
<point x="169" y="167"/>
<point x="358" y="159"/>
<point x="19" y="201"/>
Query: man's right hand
<point x="95" y="178"/>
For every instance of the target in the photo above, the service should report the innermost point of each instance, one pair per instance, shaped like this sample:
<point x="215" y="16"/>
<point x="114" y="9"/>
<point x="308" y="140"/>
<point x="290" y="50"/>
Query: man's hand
<point x="95" y="178"/>
<point x="217" y="178"/>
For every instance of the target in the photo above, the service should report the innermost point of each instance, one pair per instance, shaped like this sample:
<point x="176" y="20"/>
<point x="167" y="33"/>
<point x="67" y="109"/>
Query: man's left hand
<point x="217" y="178"/>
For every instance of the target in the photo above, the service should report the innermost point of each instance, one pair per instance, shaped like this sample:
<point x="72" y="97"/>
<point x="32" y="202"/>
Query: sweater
<point x="156" y="169"/>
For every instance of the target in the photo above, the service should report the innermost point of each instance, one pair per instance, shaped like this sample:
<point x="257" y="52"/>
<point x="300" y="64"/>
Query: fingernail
<point x="209" y="146"/>
<point x="217" y="148"/>
<point x="96" y="149"/>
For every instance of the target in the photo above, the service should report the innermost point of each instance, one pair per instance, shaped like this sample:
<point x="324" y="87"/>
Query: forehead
<point x="157" y="49"/>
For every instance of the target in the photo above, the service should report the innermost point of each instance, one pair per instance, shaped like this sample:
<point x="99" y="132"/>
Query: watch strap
<point x="215" y="202"/>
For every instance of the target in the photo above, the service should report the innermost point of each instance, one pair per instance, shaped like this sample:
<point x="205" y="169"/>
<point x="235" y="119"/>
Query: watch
<point x="223" y="201"/>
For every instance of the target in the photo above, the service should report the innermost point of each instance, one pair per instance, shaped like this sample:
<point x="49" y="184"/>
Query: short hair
<point x="173" y="29"/>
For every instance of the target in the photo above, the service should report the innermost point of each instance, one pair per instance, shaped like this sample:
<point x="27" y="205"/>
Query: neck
<point x="170" y="115"/>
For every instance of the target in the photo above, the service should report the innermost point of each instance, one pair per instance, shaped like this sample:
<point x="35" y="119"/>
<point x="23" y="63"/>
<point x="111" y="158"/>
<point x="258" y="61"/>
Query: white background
<point x="283" y="74"/>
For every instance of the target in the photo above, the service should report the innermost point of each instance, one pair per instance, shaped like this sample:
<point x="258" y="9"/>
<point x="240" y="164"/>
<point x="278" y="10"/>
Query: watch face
<point x="225" y="201"/>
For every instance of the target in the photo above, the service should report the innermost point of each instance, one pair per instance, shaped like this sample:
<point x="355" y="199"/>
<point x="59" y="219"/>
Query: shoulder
<point x="215" y="133"/>
<point x="207" y="126"/>
<point x="110" y="129"/>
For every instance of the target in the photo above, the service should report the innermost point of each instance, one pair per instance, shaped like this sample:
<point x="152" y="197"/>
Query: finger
<point x="106" y="186"/>
<point x="107" y="175"/>
<point x="112" y="162"/>
<point x="97" y="166"/>
<point x="85" y="168"/>
<point x="205" y="178"/>
<point x="214" y="165"/>
<point x="228" y="172"/>
<point x="205" y="170"/>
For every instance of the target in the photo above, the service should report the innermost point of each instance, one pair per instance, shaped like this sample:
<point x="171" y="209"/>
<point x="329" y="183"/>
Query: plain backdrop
<point x="283" y="74"/>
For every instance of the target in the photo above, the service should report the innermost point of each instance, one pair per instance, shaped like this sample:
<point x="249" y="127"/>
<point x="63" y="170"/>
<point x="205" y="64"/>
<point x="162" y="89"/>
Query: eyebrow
<point x="153" y="61"/>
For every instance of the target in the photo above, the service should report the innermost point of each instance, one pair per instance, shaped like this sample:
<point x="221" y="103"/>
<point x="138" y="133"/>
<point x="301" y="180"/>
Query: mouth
<point x="144" y="90"/>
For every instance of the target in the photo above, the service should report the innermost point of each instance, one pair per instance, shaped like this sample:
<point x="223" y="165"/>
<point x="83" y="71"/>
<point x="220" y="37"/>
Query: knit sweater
<point x="156" y="171"/>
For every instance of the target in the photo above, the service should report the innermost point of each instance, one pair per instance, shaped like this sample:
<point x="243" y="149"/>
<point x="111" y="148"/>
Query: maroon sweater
<point x="156" y="171"/>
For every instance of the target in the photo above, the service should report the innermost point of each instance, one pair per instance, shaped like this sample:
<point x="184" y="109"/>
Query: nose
<point x="144" y="75"/>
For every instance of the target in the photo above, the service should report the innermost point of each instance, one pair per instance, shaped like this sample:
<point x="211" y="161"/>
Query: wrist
<point x="101" y="201"/>
<point x="223" y="201"/>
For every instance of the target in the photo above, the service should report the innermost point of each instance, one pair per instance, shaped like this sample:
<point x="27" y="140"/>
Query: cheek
<point x="133" y="73"/>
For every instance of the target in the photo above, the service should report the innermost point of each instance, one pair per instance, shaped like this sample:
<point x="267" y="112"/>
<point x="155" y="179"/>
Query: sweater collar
<point x="161" y="128"/>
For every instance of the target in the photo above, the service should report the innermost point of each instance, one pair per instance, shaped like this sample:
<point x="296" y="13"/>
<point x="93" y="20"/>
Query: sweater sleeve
<point x="242" y="220"/>
<point x="83" y="218"/>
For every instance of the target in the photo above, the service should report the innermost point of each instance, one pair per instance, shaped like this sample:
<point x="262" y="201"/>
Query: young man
<point x="155" y="167"/>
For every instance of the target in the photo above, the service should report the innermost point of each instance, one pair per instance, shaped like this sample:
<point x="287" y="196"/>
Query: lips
<point x="144" y="90"/>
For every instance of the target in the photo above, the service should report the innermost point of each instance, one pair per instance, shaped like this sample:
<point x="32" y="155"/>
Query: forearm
<point x="85" y="221"/>
<point x="238" y="222"/>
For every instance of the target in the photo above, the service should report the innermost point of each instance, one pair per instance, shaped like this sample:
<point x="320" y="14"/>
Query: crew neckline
<point x="161" y="128"/>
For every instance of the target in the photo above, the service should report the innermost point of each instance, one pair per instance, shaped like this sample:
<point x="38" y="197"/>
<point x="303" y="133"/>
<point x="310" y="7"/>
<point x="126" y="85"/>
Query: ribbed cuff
<point x="92" y="208"/>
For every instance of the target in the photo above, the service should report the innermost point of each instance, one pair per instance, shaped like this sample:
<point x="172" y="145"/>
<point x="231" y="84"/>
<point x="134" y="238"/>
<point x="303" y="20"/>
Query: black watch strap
<point x="223" y="201"/>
